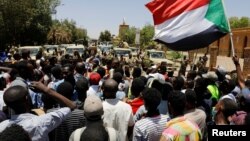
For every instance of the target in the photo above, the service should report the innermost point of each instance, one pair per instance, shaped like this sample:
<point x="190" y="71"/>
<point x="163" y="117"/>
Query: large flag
<point x="188" y="24"/>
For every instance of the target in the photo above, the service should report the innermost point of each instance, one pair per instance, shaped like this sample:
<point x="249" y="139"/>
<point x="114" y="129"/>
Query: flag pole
<point x="230" y="31"/>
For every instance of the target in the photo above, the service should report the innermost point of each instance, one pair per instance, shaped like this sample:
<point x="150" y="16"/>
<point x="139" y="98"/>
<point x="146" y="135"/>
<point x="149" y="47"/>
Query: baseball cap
<point x="93" y="107"/>
<point x="94" y="78"/>
<point x="222" y="70"/>
<point x="210" y="75"/>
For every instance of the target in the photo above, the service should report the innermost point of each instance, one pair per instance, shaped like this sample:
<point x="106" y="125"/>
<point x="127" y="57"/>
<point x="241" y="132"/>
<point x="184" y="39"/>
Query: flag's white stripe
<point x="186" y="24"/>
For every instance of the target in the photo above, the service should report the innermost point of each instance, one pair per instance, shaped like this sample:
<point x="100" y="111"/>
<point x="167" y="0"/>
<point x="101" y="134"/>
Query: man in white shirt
<point x="117" y="114"/>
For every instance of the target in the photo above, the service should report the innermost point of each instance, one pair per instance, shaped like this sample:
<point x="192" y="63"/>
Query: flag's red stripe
<point x="163" y="10"/>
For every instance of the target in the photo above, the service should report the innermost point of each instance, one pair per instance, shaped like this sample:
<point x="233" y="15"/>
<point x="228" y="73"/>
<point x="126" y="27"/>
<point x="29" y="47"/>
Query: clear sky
<point x="100" y="15"/>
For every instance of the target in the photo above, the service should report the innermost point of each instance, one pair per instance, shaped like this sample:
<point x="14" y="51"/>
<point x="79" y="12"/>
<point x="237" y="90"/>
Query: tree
<point x="81" y="33"/>
<point x="65" y="32"/>
<point x="242" y="22"/>
<point x="147" y="34"/>
<point x="59" y="34"/>
<point x="128" y="35"/>
<point x="105" y="36"/>
<point x="25" y="21"/>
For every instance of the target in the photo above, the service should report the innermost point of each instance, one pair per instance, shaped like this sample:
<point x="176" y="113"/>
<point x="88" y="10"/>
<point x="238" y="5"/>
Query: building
<point x="241" y="40"/>
<point x="123" y="27"/>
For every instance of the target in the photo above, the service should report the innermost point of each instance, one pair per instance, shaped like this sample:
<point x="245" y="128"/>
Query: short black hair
<point x="144" y="79"/>
<point x="22" y="68"/>
<point x="56" y="72"/>
<point x="152" y="98"/>
<point x="191" y="74"/>
<point x="137" y="87"/>
<point x="178" y="83"/>
<point x="2" y="83"/>
<point x="14" y="133"/>
<point x="191" y="97"/>
<point x="65" y="89"/>
<point x="120" y="70"/>
<point x="101" y="71"/>
<point x="70" y="66"/>
<point x="136" y="72"/>
<point x="81" y="87"/>
<point x="117" y="77"/>
<point x="189" y="84"/>
<point x="48" y="102"/>
<point x="229" y="107"/>
<point x="177" y="100"/>
<point x="163" y="87"/>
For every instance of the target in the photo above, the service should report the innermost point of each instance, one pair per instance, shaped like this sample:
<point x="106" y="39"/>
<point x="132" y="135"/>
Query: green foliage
<point x="242" y="22"/>
<point x="24" y="22"/>
<point x="65" y="32"/>
<point x="105" y="36"/>
<point x="147" y="34"/>
<point x="176" y="55"/>
<point x="128" y="35"/>
<point x="59" y="33"/>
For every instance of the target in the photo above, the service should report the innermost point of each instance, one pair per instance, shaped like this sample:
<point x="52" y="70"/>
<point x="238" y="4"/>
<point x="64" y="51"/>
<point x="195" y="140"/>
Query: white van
<point x="71" y="49"/>
<point x="32" y="49"/>
<point x="50" y="49"/>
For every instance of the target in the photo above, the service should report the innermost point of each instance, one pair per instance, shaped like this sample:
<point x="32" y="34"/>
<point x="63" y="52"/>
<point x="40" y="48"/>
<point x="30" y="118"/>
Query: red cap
<point x="94" y="78"/>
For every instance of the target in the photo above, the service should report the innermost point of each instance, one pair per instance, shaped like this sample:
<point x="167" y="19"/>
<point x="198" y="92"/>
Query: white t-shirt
<point x="119" y="115"/>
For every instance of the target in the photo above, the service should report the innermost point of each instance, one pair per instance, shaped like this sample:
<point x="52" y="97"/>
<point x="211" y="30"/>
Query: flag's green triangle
<point x="216" y="14"/>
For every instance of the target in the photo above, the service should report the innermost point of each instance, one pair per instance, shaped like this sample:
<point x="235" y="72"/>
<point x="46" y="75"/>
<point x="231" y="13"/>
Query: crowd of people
<point x="107" y="98"/>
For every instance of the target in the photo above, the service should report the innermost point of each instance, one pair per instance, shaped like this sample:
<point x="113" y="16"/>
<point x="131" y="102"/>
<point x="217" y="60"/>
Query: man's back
<point x="199" y="117"/>
<point x="38" y="127"/>
<point x="181" y="129"/>
<point x="150" y="128"/>
<point x="118" y="114"/>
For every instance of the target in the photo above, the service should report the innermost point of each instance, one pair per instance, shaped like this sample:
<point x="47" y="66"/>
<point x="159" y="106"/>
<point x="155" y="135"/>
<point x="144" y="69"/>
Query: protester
<point x="150" y="127"/>
<point x="175" y="128"/>
<point x="19" y="134"/>
<point x="38" y="127"/>
<point x="117" y="114"/>
<point x="128" y="91"/>
<point x="94" y="130"/>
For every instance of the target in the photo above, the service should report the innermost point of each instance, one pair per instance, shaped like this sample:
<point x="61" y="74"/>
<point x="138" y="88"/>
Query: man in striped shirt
<point x="180" y="128"/>
<point x="151" y="127"/>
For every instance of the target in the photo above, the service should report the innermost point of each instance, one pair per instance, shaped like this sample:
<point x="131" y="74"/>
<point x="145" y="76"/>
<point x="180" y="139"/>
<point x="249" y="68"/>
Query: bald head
<point x="80" y="68"/>
<point x="110" y="88"/>
<point x="16" y="97"/>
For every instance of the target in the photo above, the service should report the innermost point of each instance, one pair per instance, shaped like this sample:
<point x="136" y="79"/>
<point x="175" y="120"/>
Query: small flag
<point x="188" y="24"/>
